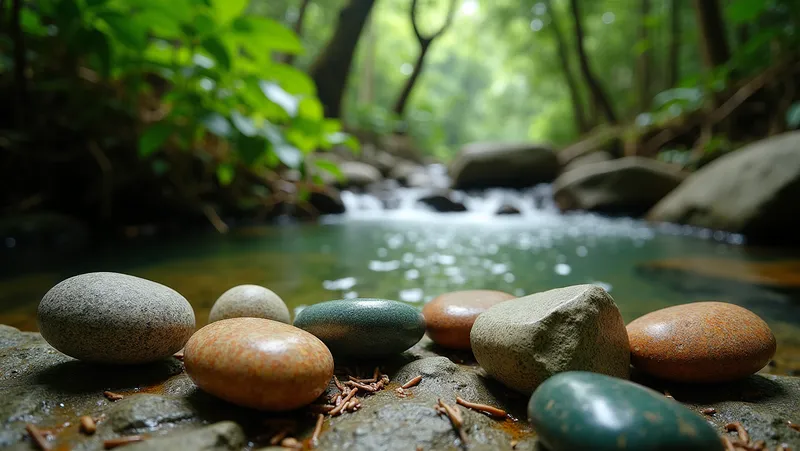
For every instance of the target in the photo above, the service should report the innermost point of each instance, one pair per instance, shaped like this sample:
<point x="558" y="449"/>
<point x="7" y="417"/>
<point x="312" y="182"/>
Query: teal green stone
<point x="363" y="327"/>
<point x="581" y="410"/>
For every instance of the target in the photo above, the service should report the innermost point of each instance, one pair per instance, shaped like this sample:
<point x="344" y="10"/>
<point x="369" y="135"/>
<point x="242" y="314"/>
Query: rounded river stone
<point x="449" y="317"/>
<point x="363" y="327"/>
<point x="582" y="410"/>
<point x="701" y="342"/>
<point x="259" y="363"/>
<point x="107" y="317"/>
<point x="249" y="301"/>
<point x="524" y="341"/>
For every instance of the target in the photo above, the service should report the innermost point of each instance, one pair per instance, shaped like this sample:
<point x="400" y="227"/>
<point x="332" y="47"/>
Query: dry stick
<point x="796" y="427"/>
<point x="493" y="411"/>
<point x="708" y="411"/>
<point x="111" y="396"/>
<point x="317" y="430"/>
<point x="367" y="388"/>
<point x="743" y="436"/>
<point x="279" y="436"/>
<point x="88" y="425"/>
<point x="122" y="441"/>
<point x="338" y="384"/>
<point x="455" y="418"/>
<point x="727" y="443"/>
<point x="412" y="382"/>
<point x="338" y="409"/>
<point x="37" y="437"/>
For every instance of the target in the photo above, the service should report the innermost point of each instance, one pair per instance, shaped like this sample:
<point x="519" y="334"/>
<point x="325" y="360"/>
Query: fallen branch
<point x="744" y="437"/>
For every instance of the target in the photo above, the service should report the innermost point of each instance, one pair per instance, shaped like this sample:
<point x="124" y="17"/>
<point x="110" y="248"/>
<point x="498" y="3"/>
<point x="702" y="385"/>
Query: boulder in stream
<point x="630" y="185"/>
<point x="511" y="165"/>
<point x="753" y="191"/>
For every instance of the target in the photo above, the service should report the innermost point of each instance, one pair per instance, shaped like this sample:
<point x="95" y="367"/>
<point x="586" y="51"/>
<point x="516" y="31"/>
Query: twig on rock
<point x="338" y="384"/>
<point x="455" y="419"/>
<point x="493" y="411"/>
<point x="88" y="426"/>
<point x="277" y="438"/>
<point x="744" y="437"/>
<point x="412" y="382"/>
<point x="338" y="409"/>
<point x="122" y="441"/>
<point x="727" y="443"/>
<point x="794" y="426"/>
<point x="708" y="411"/>
<point x="37" y="437"/>
<point x="367" y="388"/>
<point x="111" y="396"/>
<point x="317" y="430"/>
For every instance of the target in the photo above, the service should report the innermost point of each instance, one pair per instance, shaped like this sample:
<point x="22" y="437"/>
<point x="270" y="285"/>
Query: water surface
<point x="414" y="257"/>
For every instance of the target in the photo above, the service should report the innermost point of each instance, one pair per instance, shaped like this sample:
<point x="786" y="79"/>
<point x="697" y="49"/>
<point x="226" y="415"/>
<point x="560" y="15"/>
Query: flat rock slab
<point x="41" y="386"/>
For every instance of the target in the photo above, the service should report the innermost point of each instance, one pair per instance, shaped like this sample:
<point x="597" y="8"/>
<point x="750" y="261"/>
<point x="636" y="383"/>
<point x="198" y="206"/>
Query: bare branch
<point x="426" y="40"/>
<point x="414" y="21"/>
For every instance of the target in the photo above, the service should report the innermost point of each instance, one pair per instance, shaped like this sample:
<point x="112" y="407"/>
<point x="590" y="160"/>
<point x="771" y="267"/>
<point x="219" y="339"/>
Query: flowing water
<point x="411" y="254"/>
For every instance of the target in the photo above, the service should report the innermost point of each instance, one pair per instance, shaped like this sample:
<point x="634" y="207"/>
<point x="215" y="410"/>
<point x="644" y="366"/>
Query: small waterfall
<point x="389" y="199"/>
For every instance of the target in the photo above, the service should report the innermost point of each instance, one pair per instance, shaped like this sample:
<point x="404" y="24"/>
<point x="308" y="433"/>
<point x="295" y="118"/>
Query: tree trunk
<point x="594" y="85"/>
<point x="366" y="86"/>
<point x="563" y="56"/>
<point x="673" y="61"/>
<point x="298" y="27"/>
<point x="20" y="81"/>
<point x="402" y="100"/>
<point x="644" y="61"/>
<point x="332" y="67"/>
<point x="714" y="42"/>
<point x="424" y="44"/>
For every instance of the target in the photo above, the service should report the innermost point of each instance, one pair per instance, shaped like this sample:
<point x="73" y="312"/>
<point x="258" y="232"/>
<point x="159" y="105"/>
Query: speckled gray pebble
<point x="249" y="301"/>
<point x="524" y="341"/>
<point x="106" y="317"/>
<point x="363" y="327"/>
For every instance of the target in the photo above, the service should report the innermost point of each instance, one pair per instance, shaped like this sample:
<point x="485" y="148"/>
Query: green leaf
<point x="218" y="125"/>
<point x="217" y="49"/>
<point x="153" y="138"/>
<point x="266" y="34"/>
<point x="244" y="124"/>
<point x="98" y="44"/>
<point x="227" y="10"/>
<point x="250" y="148"/>
<point x="289" y="155"/>
<point x="793" y="116"/>
<point x="745" y="11"/>
<point x="129" y="33"/>
<point x="225" y="174"/>
<point x="32" y="23"/>
<point x="329" y="167"/>
<point x="277" y="95"/>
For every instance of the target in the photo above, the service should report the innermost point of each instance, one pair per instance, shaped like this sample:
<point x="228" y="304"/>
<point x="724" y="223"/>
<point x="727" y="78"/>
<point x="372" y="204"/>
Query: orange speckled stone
<point x="701" y="342"/>
<point x="449" y="317"/>
<point x="259" y="363"/>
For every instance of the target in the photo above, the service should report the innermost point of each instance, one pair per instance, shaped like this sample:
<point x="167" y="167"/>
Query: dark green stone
<point x="582" y="410"/>
<point x="363" y="327"/>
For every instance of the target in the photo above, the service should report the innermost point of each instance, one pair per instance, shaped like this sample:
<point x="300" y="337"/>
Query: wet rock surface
<point x="41" y="386"/>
